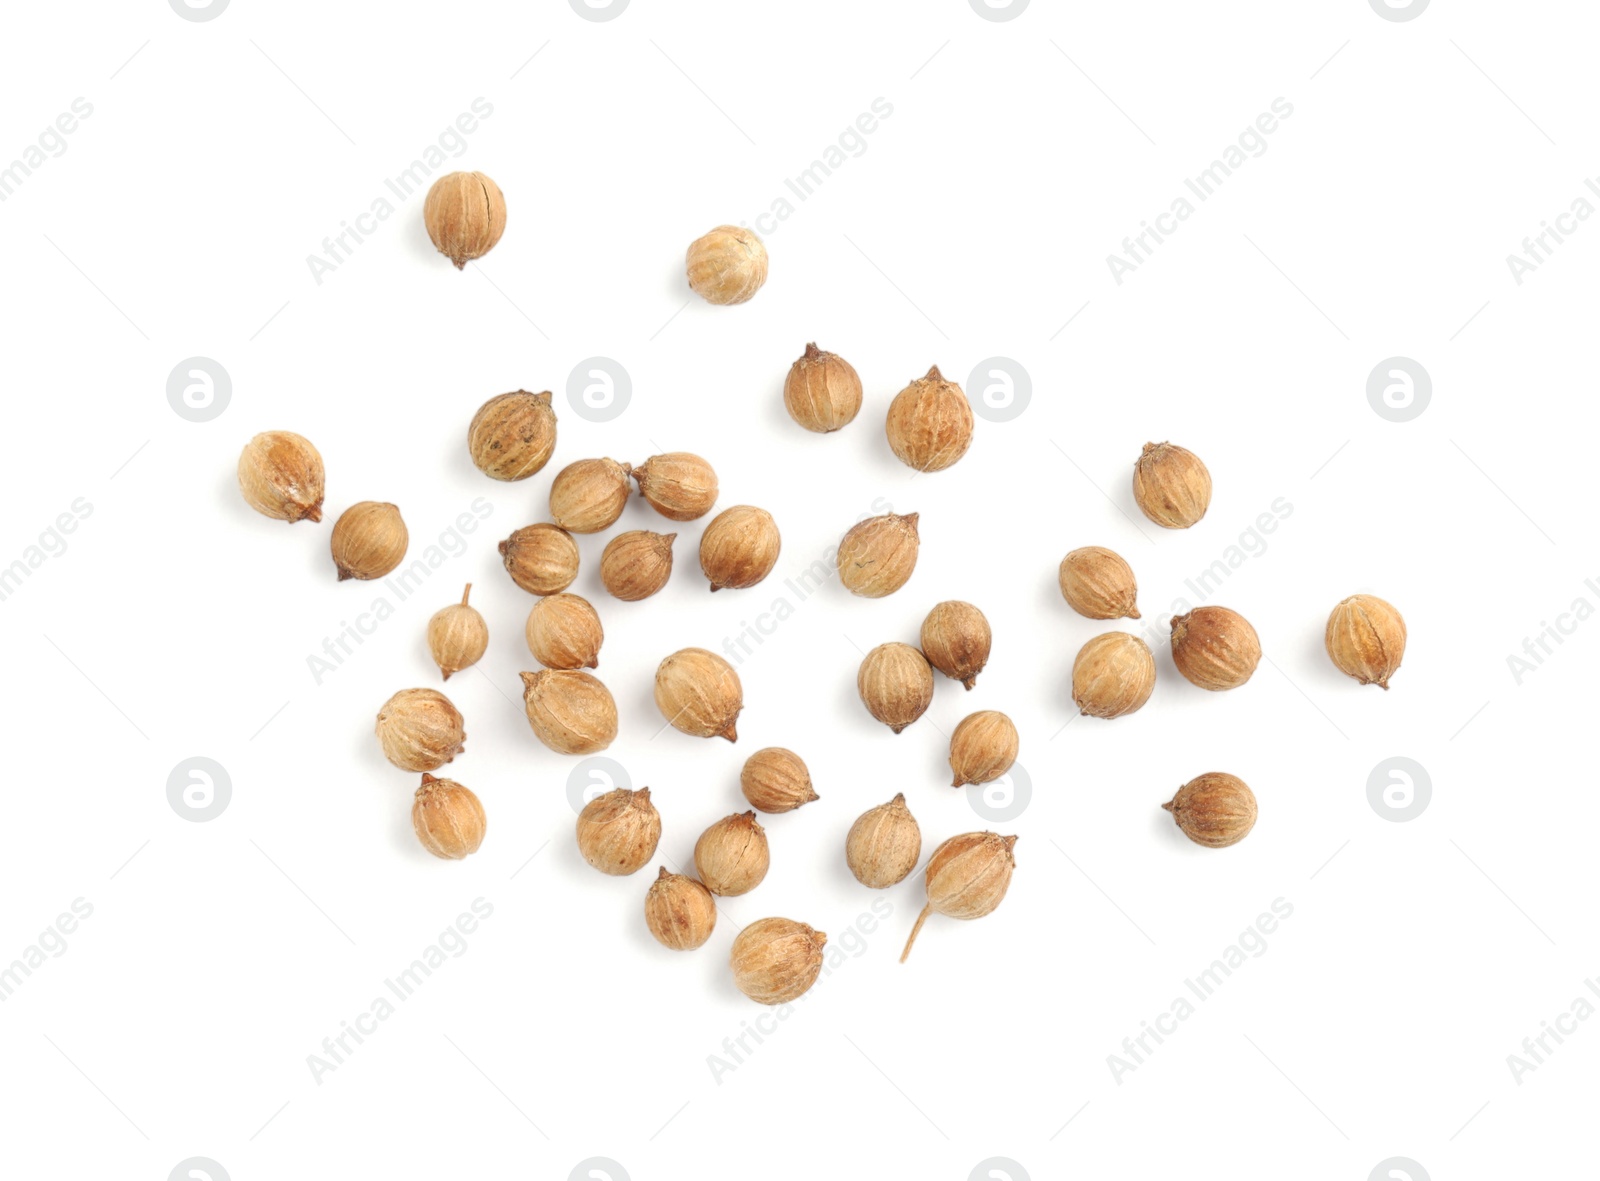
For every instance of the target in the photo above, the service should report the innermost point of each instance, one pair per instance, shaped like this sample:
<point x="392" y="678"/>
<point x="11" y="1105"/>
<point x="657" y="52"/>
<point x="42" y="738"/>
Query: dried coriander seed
<point x="731" y="856"/>
<point x="512" y="436"/>
<point x="822" y="392"/>
<point x="680" y="912"/>
<point x="930" y="423"/>
<point x="369" y="540"/>
<point x="542" y="559"/>
<point x="678" y="485"/>
<point x="727" y="265"/>
<point x="956" y="640"/>
<point x="281" y="476"/>
<point x="465" y="214"/>
<point x="619" y="830"/>
<point x="776" y="780"/>
<point x="1171" y="486"/>
<point x="636" y="564"/>
<point x="982" y="747"/>
<point x="884" y="844"/>
<point x="1215" y="809"/>
<point x="570" y="711"/>
<point x="1215" y="648"/>
<point x="877" y="556"/>
<point x="896" y="684"/>
<point x="967" y="877"/>
<point x="776" y="961"/>
<point x="457" y="636"/>
<point x="420" y="730"/>
<point x="1098" y="584"/>
<point x="563" y="631"/>
<point x="740" y="547"/>
<point x="699" y="694"/>
<point x="1366" y="639"/>
<point x="1114" y="674"/>
<point x="447" y="818"/>
<point x="588" y="496"/>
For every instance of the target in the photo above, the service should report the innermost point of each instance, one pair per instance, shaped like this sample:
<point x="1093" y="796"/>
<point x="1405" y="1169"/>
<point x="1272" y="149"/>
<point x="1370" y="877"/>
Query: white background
<point x="976" y="223"/>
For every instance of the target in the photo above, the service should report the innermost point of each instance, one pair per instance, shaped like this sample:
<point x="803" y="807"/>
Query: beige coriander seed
<point x="512" y="436"/>
<point x="884" y="844"/>
<point x="1098" y="583"/>
<point x="1171" y="485"/>
<point x="636" y="564"/>
<point x="447" y="818"/>
<point x="967" y="877"/>
<point x="563" y="631"/>
<point x="896" y="684"/>
<point x="956" y="640"/>
<point x="457" y="636"/>
<point x="569" y="710"/>
<point x="877" y="556"/>
<point x="1215" y="809"/>
<point x="280" y="476"/>
<point x="680" y="912"/>
<point x="930" y="423"/>
<point x="465" y="214"/>
<point x="776" y="961"/>
<point x="731" y="856"/>
<point x="542" y="559"/>
<point x="1114" y="674"/>
<point x="420" y="730"/>
<point x="1215" y="648"/>
<point x="822" y="392"/>
<point x="618" y="831"/>
<point x="369" y="540"/>
<point x="727" y="265"/>
<point x="776" y="780"/>
<point x="699" y="694"/>
<point x="739" y="548"/>
<point x="982" y="747"/>
<point x="588" y="496"/>
<point x="678" y="485"/>
<point x="1366" y="639"/>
